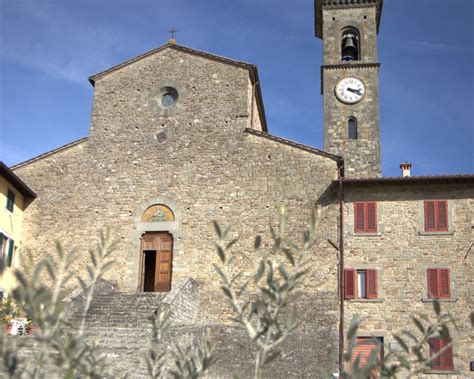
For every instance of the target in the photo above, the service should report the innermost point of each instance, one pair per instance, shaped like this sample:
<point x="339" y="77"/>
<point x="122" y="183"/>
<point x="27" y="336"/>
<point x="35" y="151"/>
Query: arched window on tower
<point x="350" y="45"/>
<point x="352" y="128"/>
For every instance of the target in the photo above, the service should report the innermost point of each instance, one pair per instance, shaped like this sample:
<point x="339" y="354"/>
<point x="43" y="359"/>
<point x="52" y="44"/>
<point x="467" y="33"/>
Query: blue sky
<point x="48" y="49"/>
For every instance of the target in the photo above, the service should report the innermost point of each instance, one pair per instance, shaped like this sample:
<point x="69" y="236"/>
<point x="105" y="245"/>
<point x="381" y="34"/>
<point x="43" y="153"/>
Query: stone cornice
<point x="345" y="66"/>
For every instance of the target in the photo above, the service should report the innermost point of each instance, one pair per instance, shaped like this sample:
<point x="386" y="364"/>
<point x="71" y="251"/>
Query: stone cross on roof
<point x="172" y="31"/>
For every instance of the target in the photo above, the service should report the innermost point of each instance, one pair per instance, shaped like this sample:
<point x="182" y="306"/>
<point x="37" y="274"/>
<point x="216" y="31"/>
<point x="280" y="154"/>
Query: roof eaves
<point x="300" y="146"/>
<point x="14" y="180"/>
<point x="411" y="180"/>
<point x="48" y="153"/>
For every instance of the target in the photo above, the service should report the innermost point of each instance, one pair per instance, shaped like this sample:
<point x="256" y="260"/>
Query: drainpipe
<point x="341" y="273"/>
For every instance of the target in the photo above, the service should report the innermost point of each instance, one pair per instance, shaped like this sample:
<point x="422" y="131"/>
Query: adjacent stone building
<point x="409" y="256"/>
<point x="178" y="139"/>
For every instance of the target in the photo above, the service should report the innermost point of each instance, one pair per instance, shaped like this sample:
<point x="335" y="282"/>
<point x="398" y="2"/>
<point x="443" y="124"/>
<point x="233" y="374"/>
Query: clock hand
<point x="356" y="91"/>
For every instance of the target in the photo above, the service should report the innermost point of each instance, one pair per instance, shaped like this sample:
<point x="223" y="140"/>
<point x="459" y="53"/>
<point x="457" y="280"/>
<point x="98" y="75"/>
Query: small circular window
<point x="169" y="97"/>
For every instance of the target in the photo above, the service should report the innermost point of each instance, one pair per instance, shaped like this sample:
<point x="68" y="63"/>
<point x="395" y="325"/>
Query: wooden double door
<point x="156" y="259"/>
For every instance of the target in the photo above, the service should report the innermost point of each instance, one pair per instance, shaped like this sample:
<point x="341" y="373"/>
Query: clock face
<point x="350" y="90"/>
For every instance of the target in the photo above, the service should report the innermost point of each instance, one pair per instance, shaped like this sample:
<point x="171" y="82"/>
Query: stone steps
<point x="120" y="323"/>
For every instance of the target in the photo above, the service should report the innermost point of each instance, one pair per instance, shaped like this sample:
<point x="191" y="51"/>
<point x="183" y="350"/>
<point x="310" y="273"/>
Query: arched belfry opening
<point x="350" y="44"/>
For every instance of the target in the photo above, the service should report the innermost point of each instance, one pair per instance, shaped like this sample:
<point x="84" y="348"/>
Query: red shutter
<point x="435" y="346"/>
<point x="359" y="223"/>
<point x="442" y="213"/>
<point x="350" y="283"/>
<point x="371" y="217"/>
<point x="433" y="287"/>
<point x="371" y="286"/>
<point x="363" y="348"/>
<point x="447" y="356"/>
<point x="430" y="215"/>
<point x="444" y="287"/>
<point x="444" y="361"/>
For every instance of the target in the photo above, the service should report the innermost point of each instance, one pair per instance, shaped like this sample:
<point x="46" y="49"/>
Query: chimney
<point x="406" y="167"/>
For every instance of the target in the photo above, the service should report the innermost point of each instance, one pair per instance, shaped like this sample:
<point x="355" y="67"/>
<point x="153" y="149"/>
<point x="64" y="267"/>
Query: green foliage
<point x="263" y="304"/>
<point x="61" y="349"/>
<point x="192" y="362"/>
<point x="64" y="350"/>
<point x="155" y="357"/>
<point x="188" y="362"/>
<point x="411" y="359"/>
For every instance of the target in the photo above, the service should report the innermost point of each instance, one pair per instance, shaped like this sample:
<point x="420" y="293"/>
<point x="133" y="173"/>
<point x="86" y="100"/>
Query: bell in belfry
<point x="349" y="48"/>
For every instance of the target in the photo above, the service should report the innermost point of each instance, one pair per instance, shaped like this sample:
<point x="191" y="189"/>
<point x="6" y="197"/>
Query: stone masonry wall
<point x="401" y="252"/>
<point x="196" y="158"/>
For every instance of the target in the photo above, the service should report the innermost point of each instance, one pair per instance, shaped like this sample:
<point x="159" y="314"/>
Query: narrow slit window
<point x="352" y="127"/>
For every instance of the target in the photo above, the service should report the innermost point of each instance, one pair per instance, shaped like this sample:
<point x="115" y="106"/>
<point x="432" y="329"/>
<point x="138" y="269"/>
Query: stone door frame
<point x="134" y="237"/>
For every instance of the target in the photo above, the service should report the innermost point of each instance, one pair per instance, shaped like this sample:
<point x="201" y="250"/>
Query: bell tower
<point x="349" y="82"/>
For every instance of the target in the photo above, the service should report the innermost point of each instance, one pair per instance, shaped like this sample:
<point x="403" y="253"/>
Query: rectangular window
<point x="360" y="284"/>
<point x="436" y="216"/>
<point x="10" y="200"/>
<point x="438" y="280"/>
<point x="443" y="361"/>
<point x="363" y="348"/>
<point x="365" y="217"/>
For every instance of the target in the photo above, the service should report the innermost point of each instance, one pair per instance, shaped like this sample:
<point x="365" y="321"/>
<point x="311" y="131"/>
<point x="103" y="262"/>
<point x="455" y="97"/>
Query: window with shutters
<point x="360" y="284"/>
<point x="443" y="360"/>
<point x="438" y="283"/>
<point x="363" y="349"/>
<point x="436" y="215"/>
<point x="7" y="249"/>
<point x="10" y="200"/>
<point x="365" y="217"/>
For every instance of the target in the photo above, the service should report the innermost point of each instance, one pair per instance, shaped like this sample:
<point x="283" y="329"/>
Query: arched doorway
<point x="157" y="236"/>
<point x="156" y="261"/>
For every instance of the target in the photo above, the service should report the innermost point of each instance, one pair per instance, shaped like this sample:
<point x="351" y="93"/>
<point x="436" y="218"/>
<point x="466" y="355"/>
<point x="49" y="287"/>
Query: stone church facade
<point x="178" y="138"/>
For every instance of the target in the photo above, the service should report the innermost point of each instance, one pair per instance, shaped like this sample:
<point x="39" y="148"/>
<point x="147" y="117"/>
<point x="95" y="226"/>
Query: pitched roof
<point x="319" y="4"/>
<point x="16" y="182"/>
<point x="48" y="153"/>
<point x="252" y="69"/>
<point x="300" y="146"/>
